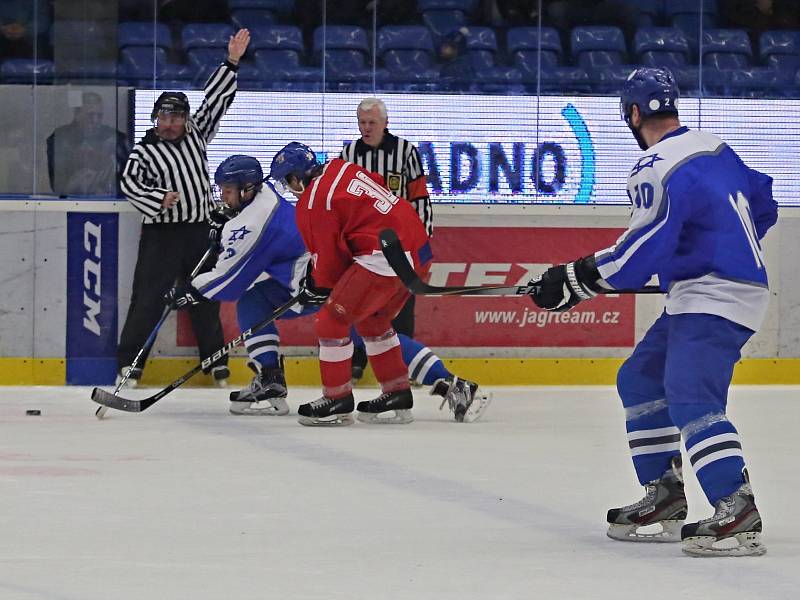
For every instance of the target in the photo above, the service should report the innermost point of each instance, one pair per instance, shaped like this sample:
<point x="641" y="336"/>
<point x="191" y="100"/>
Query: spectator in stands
<point x="85" y="157"/>
<point x="457" y="71"/>
<point x="18" y="24"/>
<point x="566" y="14"/>
<point x="757" y="16"/>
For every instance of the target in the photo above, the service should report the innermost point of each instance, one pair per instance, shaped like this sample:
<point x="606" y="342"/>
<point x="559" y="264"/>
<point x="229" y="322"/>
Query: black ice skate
<point x="399" y="402"/>
<point x="265" y="396"/>
<point x="658" y="516"/>
<point x="327" y="412"/>
<point x="734" y="530"/>
<point x="462" y="396"/>
<point x="220" y="375"/>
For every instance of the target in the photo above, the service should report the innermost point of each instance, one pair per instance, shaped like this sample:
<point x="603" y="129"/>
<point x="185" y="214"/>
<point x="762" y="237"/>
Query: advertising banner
<point x="503" y="256"/>
<point x="92" y="246"/>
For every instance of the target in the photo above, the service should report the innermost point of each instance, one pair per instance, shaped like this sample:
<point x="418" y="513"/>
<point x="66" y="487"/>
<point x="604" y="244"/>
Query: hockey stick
<point x="113" y="401"/>
<point x="396" y="257"/>
<point x="102" y="410"/>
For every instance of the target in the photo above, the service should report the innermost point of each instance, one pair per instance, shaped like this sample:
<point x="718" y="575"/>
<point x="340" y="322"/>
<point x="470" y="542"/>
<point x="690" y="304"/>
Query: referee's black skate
<point x="462" y="397"/>
<point x="733" y="530"/>
<point x="264" y="396"/>
<point x="327" y="412"/>
<point x="658" y="516"/>
<point x="399" y="403"/>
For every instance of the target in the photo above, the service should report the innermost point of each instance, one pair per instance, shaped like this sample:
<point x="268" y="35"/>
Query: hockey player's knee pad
<point x="635" y="388"/>
<point x="329" y="325"/>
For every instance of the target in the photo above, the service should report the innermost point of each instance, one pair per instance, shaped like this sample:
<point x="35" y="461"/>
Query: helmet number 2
<point x="362" y="184"/>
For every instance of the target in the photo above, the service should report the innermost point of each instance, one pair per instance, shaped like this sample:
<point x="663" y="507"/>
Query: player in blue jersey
<point x="261" y="265"/>
<point x="698" y="215"/>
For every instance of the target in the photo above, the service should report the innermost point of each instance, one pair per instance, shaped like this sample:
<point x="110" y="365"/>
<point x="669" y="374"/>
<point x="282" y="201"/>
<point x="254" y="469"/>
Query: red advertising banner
<point x="494" y="255"/>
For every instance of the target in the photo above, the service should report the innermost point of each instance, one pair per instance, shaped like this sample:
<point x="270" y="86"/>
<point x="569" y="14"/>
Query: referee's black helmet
<point x="170" y="102"/>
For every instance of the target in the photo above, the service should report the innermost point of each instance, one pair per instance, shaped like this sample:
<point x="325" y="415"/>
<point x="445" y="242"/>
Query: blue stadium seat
<point x="481" y="38"/>
<point x="100" y="70"/>
<point x="609" y="80"/>
<point x="466" y="6"/>
<point x="284" y="65"/>
<point x="781" y="49"/>
<point x="137" y="66"/>
<point x="139" y="33"/>
<point x="407" y="50"/>
<point x="252" y="18"/>
<point x="441" y="22"/>
<point x="661" y="46"/>
<point x="276" y="6"/>
<point x="688" y="79"/>
<point x="758" y="82"/>
<point x="563" y="80"/>
<point x="650" y="11"/>
<point x="206" y="35"/>
<point x="524" y="44"/>
<point x="689" y="7"/>
<point x="726" y="49"/>
<point x="598" y="46"/>
<point x="277" y="37"/>
<point x="346" y="52"/>
<point x="24" y="70"/>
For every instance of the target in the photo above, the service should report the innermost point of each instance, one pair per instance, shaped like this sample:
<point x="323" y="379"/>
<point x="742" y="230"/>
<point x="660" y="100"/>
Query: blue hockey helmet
<point x="239" y="170"/>
<point x="293" y="159"/>
<point x="652" y="89"/>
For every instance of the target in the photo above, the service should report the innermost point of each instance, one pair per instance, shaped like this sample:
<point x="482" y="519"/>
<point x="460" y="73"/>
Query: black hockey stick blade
<point x="396" y="257"/>
<point x="113" y="401"/>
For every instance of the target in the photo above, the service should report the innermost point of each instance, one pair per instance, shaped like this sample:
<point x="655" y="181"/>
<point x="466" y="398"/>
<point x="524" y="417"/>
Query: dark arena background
<point x="514" y="109"/>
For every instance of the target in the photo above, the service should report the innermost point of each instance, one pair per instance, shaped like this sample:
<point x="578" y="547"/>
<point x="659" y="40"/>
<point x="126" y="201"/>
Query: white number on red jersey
<point x="363" y="184"/>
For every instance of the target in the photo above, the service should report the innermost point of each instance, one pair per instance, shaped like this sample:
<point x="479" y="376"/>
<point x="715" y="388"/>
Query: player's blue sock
<point x="423" y="365"/>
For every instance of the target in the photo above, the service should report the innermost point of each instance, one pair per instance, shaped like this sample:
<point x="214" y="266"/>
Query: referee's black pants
<point x="168" y="252"/>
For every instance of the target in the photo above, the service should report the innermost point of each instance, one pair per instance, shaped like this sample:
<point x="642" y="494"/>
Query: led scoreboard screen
<point x="503" y="149"/>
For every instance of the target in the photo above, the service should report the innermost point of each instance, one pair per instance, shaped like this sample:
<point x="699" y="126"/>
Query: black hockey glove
<point x="183" y="294"/>
<point x="561" y="287"/>
<point x="311" y="294"/>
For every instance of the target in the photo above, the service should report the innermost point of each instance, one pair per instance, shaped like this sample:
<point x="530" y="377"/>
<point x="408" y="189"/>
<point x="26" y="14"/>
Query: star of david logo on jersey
<point x="238" y="234"/>
<point x="644" y="163"/>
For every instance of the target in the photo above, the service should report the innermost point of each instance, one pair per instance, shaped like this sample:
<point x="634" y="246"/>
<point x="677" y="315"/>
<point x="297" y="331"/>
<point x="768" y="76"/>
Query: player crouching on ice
<point x="262" y="263"/>
<point x="697" y="217"/>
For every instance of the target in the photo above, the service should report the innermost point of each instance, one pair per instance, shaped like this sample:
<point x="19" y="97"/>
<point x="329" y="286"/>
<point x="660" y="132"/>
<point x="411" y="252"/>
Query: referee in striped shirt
<point x="166" y="179"/>
<point x="397" y="161"/>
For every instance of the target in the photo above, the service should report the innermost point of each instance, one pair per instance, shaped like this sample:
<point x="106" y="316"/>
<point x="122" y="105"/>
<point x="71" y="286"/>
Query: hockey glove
<point x="563" y="286"/>
<point x="310" y="294"/>
<point x="182" y="295"/>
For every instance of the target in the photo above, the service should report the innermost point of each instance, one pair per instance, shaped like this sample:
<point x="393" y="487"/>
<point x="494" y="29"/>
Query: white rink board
<point x="187" y="502"/>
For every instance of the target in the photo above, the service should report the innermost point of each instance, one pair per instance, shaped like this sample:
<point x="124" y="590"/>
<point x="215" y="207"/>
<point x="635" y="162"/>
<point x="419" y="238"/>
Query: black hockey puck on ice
<point x="33" y="412"/>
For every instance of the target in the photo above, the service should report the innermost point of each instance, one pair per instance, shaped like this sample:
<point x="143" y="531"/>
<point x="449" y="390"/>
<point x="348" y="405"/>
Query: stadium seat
<point x="563" y="80"/>
<point x="440" y="22"/>
<point x="252" y="18"/>
<point x="140" y="33"/>
<point x="277" y="37"/>
<point x="276" y="6"/>
<point x="726" y="49"/>
<point x="465" y="6"/>
<point x="407" y="51"/>
<point x="758" y="82"/>
<point x="24" y="70"/>
<point x="598" y="46"/>
<point x="284" y="65"/>
<point x="524" y="45"/>
<point x="137" y="66"/>
<point x="206" y="35"/>
<point x="688" y="79"/>
<point x="346" y="52"/>
<point x="649" y="11"/>
<point x="99" y="70"/>
<point x="689" y="7"/>
<point x="661" y="46"/>
<point x="781" y="49"/>
<point x="609" y="80"/>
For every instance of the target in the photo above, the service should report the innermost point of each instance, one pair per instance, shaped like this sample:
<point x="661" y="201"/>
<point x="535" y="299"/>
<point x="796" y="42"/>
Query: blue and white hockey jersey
<point x="261" y="242"/>
<point x="698" y="215"/>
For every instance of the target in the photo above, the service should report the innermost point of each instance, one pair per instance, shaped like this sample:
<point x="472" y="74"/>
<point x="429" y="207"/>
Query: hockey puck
<point x="33" y="412"/>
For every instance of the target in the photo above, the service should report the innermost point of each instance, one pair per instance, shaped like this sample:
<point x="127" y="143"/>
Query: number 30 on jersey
<point x="362" y="184"/>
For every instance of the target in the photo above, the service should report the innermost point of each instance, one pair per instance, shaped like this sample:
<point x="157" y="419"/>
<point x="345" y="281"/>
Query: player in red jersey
<point x="340" y="212"/>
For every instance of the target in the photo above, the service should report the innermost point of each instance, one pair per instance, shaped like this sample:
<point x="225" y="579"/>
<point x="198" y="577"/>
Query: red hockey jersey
<point x="340" y="216"/>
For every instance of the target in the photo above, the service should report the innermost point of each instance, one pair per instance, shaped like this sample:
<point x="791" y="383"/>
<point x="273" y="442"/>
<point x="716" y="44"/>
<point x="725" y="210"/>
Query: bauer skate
<point x="220" y="375"/>
<point x="265" y="396"/>
<point x="462" y="396"/>
<point x="327" y="412"/>
<point x="399" y="402"/>
<point x="658" y="516"/>
<point x="733" y="530"/>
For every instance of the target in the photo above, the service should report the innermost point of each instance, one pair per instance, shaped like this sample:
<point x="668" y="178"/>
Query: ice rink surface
<point x="185" y="501"/>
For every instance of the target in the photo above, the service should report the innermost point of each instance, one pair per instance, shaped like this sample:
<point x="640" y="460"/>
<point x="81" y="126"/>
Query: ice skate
<point x="264" y="396"/>
<point x="220" y="375"/>
<point x="658" y="516"/>
<point x="399" y="402"/>
<point x="462" y="396"/>
<point x="327" y="412"/>
<point x="733" y="530"/>
<point x="133" y="378"/>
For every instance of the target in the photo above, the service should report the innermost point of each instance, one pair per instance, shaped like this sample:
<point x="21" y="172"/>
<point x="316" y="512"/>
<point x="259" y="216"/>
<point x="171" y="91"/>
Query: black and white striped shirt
<point x="156" y="166"/>
<point x="397" y="161"/>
